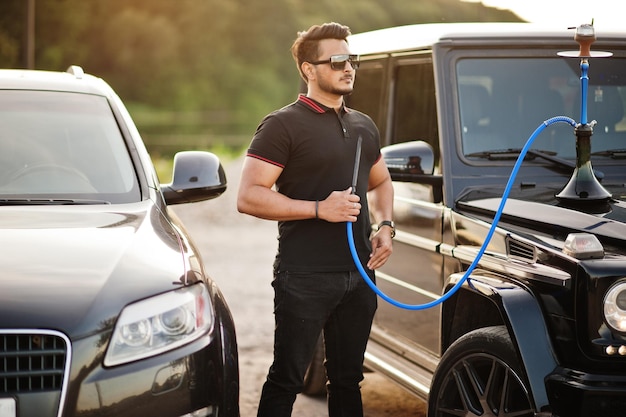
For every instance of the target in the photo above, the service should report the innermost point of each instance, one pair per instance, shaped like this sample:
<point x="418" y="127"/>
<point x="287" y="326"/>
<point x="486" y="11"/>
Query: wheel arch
<point x="485" y="300"/>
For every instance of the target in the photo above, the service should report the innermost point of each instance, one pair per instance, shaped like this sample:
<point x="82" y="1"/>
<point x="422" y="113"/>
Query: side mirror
<point x="409" y="160"/>
<point x="414" y="162"/>
<point x="196" y="176"/>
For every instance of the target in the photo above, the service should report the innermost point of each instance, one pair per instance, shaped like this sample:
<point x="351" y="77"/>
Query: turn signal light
<point x="583" y="246"/>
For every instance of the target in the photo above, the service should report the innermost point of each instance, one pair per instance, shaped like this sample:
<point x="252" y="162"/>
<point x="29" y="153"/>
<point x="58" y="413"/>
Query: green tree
<point x="224" y="62"/>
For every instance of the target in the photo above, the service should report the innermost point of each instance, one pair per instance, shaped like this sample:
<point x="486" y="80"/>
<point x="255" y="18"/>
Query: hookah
<point x="583" y="186"/>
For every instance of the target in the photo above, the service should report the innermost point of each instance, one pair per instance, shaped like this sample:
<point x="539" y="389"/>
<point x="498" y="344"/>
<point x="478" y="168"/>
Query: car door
<point x="399" y="94"/>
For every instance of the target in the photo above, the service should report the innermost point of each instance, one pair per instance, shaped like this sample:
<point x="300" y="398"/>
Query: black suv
<point x="466" y="114"/>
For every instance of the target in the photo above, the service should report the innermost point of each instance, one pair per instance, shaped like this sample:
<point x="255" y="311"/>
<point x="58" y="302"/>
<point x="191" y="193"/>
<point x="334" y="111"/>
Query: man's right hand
<point x="340" y="206"/>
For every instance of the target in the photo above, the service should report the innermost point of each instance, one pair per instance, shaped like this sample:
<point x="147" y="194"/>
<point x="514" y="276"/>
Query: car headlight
<point x="615" y="307"/>
<point x="159" y="324"/>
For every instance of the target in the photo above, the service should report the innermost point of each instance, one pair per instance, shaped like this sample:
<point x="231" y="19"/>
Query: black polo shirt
<point x="316" y="148"/>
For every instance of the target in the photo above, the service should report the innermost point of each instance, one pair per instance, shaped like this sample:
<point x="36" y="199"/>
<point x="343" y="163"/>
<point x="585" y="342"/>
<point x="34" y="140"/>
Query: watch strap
<point x="390" y="224"/>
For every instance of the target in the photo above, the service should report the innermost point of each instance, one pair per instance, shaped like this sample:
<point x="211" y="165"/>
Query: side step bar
<point x="408" y="375"/>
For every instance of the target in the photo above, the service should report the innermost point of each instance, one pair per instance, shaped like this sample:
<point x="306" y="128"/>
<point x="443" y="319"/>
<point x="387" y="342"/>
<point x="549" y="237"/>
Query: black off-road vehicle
<point x="538" y="328"/>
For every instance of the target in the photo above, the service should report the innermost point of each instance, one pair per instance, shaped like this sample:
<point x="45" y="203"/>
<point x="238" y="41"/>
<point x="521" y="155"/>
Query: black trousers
<point x="342" y="305"/>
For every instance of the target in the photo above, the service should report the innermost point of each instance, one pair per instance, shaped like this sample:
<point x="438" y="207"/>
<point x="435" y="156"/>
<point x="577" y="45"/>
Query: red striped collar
<point x="317" y="107"/>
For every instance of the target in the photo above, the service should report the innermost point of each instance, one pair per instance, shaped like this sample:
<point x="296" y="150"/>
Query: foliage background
<point x="200" y="73"/>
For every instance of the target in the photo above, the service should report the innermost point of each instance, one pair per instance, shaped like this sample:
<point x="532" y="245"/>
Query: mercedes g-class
<point x="538" y="328"/>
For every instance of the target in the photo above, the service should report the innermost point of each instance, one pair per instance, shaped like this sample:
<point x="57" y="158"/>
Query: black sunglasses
<point x="338" y="62"/>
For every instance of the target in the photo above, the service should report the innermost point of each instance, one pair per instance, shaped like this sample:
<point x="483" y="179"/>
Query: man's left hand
<point x="381" y="248"/>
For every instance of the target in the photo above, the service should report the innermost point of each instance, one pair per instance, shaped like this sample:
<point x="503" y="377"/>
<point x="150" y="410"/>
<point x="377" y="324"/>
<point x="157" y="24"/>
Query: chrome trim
<point x="412" y="201"/>
<point x="446" y="249"/>
<point x="68" y="358"/>
<point x="498" y="262"/>
<point x="404" y="348"/>
<point x="406" y="285"/>
<point x="203" y="412"/>
<point x="397" y="373"/>
<point x="416" y="241"/>
<point x="523" y="270"/>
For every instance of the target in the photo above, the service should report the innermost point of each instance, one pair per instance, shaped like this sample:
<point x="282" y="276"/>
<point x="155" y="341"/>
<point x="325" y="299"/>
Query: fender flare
<point x="524" y="319"/>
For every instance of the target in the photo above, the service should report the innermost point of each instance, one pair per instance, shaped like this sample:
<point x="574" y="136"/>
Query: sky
<point x="605" y="13"/>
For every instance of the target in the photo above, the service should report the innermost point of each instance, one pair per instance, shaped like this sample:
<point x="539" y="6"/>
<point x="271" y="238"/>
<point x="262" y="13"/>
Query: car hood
<point x="606" y="220"/>
<point x="73" y="268"/>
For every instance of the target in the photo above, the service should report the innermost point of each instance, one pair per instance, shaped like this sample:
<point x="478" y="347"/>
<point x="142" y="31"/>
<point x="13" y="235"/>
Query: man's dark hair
<point x="306" y="46"/>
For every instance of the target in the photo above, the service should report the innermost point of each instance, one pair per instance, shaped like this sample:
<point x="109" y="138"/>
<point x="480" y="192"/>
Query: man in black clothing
<point x="298" y="171"/>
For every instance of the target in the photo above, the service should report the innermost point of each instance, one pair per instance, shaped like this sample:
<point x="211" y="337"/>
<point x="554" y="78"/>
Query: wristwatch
<point x="389" y="223"/>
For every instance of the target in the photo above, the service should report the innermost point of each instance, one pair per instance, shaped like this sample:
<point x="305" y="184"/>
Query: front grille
<point x="31" y="362"/>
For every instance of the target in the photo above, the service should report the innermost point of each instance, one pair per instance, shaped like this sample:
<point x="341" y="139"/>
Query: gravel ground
<point x="238" y="252"/>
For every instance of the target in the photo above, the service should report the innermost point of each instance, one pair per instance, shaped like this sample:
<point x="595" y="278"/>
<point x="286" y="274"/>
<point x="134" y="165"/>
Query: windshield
<point x="57" y="145"/>
<point x="502" y="101"/>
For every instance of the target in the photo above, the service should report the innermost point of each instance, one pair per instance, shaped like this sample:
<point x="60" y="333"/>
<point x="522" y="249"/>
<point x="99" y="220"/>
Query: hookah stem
<point x="584" y="83"/>
<point x="357" y="161"/>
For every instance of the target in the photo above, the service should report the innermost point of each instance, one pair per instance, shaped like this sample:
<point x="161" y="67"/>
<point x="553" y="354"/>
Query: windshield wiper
<point x="531" y="154"/>
<point x="48" y="201"/>
<point x="612" y="153"/>
<point x="510" y="153"/>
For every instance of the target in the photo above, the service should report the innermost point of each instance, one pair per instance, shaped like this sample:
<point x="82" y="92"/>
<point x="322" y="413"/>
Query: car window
<point x="413" y="107"/>
<point x="414" y="102"/>
<point x="62" y="145"/>
<point x="502" y="101"/>
<point x="368" y="91"/>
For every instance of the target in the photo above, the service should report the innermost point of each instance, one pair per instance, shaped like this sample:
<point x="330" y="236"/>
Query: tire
<point x="480" y="375"/>
<point x="315" y="376"/>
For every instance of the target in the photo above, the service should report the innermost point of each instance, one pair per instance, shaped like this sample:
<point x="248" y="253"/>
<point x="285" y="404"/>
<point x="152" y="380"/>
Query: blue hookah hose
<point x="496" y="219"/>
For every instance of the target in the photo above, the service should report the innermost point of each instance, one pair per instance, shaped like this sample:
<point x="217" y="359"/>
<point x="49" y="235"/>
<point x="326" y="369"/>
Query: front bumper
<point x="191" y="381"/>
<point x="573" y="393"/>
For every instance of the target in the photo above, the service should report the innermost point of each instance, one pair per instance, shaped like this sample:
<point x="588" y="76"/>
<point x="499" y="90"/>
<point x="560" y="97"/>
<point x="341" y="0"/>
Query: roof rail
<point x="77" y="71"/>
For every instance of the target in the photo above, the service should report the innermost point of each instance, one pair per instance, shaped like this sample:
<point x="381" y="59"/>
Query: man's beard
<point x="327" y="87"/>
